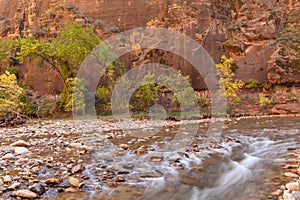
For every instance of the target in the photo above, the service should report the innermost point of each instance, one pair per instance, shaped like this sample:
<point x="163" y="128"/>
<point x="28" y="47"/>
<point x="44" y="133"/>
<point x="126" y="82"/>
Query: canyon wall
<point x="246" y="30"/>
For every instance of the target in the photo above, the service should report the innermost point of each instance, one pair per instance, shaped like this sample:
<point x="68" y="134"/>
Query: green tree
<point x="73" y="98"/>
<point x="7" y="61"/>
<point x="9" y="93"/>
<point x="230" y="87"/>
<point x="65" y="52"/>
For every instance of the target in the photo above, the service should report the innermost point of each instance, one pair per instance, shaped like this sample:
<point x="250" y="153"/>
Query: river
<point x="244" y="162"/>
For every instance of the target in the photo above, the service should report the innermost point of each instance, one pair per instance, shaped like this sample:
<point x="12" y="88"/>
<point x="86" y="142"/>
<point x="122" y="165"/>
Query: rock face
<point x="251" y="32"/>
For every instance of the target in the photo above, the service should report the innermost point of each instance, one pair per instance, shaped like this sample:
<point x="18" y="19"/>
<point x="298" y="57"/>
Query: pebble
<point x="120" y="179"/>
<point x="8" y="156"/>
<point x="111" y="183"/>
<point x="21" y="150"/>
<point x="140" y="151"/>
<point x="71" y="190"/>
<point x="20" y="143"/>
<point x="124" y="146"/>
<point x="291" y="175"/>
<point x="7" y="179"/>
<point x="25" y="194"/>
<point x="78" y="168"/>
<point x="156" y="158"/>
<point x="75" y="182"/>
<point x="296" y="195"/>
<point x="52" y="181"/>
<point x="38" y="188"/>
<point x="294" y="186"/>
<point x="14" y="186"/>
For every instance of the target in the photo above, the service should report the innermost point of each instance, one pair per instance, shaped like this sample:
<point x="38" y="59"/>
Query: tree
<point x="8" y="60"/>
<point x="73" y="97"/>
<point x="230" y="87"/>
<point x="65" y="52"/>
<point x="9" y="93"/>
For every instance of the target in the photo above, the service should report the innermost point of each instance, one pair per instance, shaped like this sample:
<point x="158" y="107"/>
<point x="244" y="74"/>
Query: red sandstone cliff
<point x="245" y="30"/>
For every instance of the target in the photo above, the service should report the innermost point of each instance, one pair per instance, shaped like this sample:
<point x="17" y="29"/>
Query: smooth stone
<point x="52" y="181"/>
<point x="296" y="195"/>
<point x="291" y="175"/>
<point x="124" y="146"/>
<point x="120" y="179"/>
<point x="20" y="143"/>
<point x="78" y="168"/>
<point x="14" y="186"/>
<point x="8" y="156"/>
<point x="294" y="186"/>
<point x="21" y="150"/>
<point x="71" y="190"/>
<point x="7" y="179"/>
<point x="141" y="151"/>
<point x="111" y="183"/>
<point x="288" y="196"/>
<point x="38" y="188"/>
<point x="75" y="182"/>
<point x="156" y="158"/>
<point x="25" y="194"/>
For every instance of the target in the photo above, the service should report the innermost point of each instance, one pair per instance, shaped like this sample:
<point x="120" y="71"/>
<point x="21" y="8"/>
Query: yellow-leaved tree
<point x="230" y="87"/>
<point x="9" y="93"/>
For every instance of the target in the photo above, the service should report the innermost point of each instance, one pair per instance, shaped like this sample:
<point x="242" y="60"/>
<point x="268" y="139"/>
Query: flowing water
<point x="244" y="162"/>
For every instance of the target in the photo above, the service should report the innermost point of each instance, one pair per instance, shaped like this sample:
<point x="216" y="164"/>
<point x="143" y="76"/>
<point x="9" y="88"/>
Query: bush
<point x="203" y="101"/>
<point x="9" y="93"/>
<point x="72" y="97"/>
<point x="103" y="103"/>
<point x="252" y="84"/>
<point x="263" y="100"/>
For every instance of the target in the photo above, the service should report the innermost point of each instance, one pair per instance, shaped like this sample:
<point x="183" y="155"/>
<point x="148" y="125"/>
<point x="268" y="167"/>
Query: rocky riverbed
<point x="42" y="160"/>
<point x="291" y="190"/>
<point x="70" y="160"/>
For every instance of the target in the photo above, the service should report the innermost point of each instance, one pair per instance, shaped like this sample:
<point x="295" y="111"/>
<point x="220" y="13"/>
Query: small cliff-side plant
<point x="252" y="84"/>
<point x="229" y="86"/>
<point x="263" y="100"/>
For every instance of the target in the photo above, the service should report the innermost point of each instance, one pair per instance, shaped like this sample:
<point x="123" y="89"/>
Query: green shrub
<point x="252" y="84"/>
<point x="72" y="97"/>
<point x="103" y="100"/>
<point x="27" y="107"/>
<point x="268" y="86"/>
<point x="203" y="101"/>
